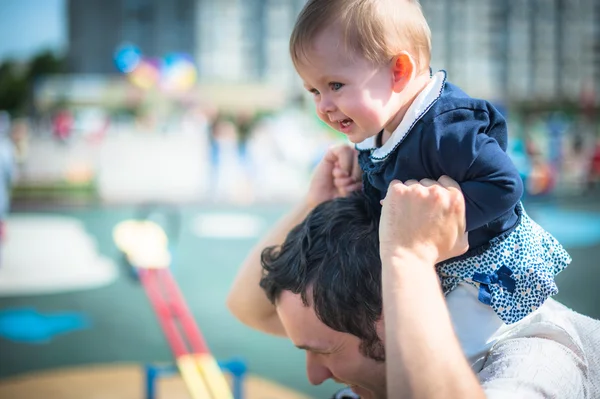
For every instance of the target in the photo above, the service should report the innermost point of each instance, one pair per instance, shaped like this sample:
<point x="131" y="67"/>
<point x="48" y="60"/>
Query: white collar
<point x="426" y="98"/>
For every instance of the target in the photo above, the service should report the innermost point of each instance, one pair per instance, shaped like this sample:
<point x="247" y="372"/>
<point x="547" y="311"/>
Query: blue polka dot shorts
<point x="515" y="274"/>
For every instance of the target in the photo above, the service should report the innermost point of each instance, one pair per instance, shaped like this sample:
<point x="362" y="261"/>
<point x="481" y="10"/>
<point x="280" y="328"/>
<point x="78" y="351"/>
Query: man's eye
<point x="335" y="86"/>
<point x="314" y="91"/>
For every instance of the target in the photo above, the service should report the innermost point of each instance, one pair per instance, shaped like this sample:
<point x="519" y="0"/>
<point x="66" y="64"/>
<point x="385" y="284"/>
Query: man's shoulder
<point x="565" y="342"/>
<point x="536" y="363"/>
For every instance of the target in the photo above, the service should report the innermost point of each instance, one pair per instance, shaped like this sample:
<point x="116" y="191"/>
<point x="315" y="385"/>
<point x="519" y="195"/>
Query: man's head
<point x="325" y="281"/>
<point x="358" y="57"/>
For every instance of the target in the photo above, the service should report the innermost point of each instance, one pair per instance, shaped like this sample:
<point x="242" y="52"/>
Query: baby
<point x="366" y="62"/>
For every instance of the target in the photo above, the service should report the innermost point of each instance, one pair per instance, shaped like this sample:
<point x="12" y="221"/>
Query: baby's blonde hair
<point x="378" y="30"/>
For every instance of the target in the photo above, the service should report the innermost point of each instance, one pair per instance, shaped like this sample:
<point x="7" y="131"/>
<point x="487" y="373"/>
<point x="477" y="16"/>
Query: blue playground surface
<point x="115" y="322"/>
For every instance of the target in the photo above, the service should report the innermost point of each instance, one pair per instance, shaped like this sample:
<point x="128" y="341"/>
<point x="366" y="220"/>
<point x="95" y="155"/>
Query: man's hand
<point x="426" y="218"/>
<point x="336" y="175"/>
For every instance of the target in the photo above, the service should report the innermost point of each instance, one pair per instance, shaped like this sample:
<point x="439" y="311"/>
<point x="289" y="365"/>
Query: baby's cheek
<point x="373" y="108"/>
<point x="375" y="114"/>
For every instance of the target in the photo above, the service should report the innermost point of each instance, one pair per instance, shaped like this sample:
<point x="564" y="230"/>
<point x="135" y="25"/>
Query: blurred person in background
<point x="227" y="177"/>
<point x="575" y="160"/>
<point x="593" y="177"/>
<point x="7" y="171"/>
<point x="542" y="176"/>
<point x="62" y="125"/>
<point x="244" y="121"/>
<point x="19" y="134"/>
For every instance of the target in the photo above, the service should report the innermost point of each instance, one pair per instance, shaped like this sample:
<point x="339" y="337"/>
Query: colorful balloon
<point x="127" y="57"/>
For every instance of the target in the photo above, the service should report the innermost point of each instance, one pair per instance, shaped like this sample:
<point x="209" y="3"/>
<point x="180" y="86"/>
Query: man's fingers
<point x="429" y="182"/>
<point x="411" y="182"/>
<point x="448" y="182"/>
<point x="452" y="186"/>
<point x="396" y="185"/>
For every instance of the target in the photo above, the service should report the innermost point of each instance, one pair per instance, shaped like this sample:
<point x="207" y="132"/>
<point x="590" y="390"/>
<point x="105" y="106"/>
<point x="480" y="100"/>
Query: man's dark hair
<point x="333" y="257"/>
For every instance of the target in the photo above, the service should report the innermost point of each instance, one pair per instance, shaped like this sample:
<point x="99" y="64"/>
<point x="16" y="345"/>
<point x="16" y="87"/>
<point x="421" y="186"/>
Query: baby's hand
<point x="337" y="175"/>
<point x="347" y="175"/>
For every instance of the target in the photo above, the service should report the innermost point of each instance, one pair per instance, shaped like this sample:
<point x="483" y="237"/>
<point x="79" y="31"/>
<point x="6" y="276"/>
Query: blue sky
<point x="29" y="26"/>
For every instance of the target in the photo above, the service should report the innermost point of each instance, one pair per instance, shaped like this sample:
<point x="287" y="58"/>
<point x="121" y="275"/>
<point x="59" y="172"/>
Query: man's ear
<point x="403" y="70"/>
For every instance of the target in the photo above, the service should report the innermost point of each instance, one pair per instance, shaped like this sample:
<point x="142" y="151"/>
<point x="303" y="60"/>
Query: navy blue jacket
<point x="450" y="133"/>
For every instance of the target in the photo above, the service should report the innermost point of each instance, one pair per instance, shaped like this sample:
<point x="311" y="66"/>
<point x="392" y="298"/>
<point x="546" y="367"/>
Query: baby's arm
<point x="461" y="144"/>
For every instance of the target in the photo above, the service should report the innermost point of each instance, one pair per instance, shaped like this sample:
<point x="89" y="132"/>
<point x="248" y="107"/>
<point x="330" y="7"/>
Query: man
<point x="373" y="316"/>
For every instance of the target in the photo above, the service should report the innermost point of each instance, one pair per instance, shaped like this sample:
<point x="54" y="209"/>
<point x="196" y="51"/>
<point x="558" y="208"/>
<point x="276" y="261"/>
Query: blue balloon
<point x="127" y="57"/>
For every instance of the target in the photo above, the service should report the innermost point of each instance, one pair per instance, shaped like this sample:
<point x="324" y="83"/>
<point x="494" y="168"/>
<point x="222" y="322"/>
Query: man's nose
<point x="325" y="105"/>
<point x="317" y="372"/>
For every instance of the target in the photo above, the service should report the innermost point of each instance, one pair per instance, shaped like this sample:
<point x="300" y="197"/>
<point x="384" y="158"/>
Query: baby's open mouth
<point x="345" y="122"/>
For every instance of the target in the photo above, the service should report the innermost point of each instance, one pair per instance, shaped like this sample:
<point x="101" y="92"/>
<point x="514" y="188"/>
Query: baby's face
<point x="351" y="94"/>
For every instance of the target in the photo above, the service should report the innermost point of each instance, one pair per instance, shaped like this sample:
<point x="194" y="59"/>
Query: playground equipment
<point x="145" y="246"/>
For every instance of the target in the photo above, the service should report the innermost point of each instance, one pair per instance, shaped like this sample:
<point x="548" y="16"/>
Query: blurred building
<point x="244" y="40"/>
<point x="499" y="49"/>
<point x="518" y="50"/>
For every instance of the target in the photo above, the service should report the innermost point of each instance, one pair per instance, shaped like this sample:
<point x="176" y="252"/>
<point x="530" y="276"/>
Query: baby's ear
<point x="403" y="68"/>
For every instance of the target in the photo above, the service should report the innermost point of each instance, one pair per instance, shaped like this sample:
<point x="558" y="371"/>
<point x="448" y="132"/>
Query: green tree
<point x="13" y="88"/>
<point x="45" y="63"/>
<point x="17" y="82"/>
